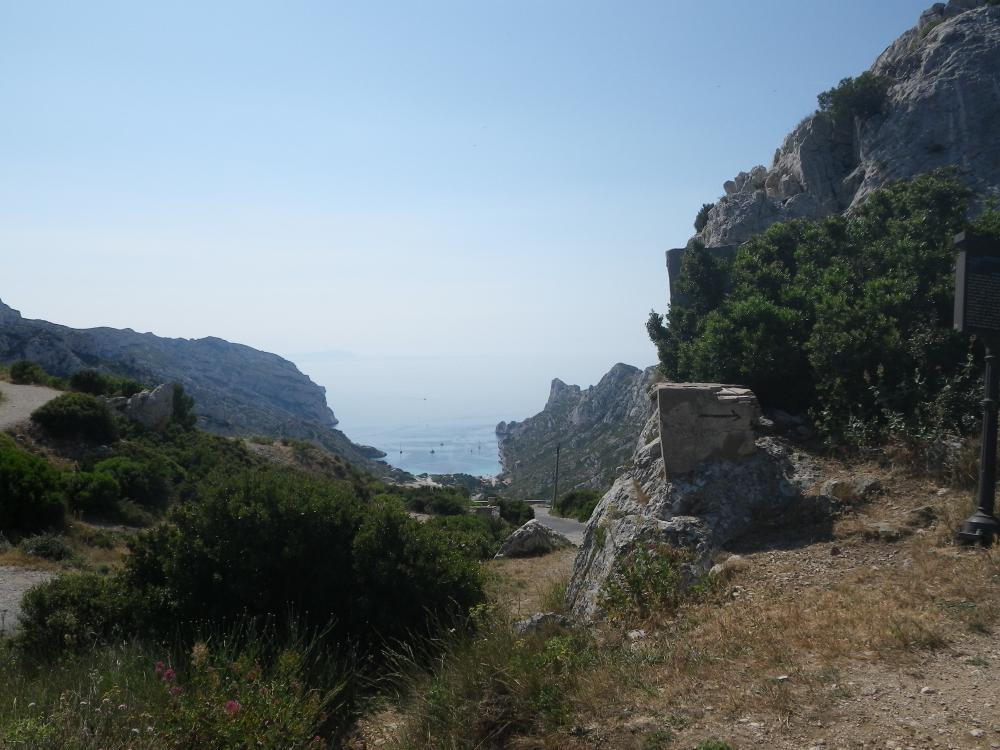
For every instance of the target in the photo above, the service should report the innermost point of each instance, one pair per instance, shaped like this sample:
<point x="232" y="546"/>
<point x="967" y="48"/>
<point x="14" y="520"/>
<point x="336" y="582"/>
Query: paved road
<point x="20" y="401"/>
<point x="572" y="530"/>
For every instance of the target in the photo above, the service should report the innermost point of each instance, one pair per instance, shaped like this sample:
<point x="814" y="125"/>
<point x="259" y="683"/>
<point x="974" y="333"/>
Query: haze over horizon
<point x="459" y="201"/>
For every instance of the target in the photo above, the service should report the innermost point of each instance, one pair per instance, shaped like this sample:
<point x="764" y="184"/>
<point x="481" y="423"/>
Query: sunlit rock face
<point x="942" y="110"/>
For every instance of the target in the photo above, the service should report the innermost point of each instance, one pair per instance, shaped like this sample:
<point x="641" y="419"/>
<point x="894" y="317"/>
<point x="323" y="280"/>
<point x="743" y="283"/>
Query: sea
<point x="453" y="447"/>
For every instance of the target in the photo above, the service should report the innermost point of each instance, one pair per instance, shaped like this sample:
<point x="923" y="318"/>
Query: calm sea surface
<point x="447" y="448"/>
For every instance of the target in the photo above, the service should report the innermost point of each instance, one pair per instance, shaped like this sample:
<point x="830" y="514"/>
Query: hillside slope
<point x="940" y="110"/>
<point x="238" y="390"/>
<point x="596" y="428"/>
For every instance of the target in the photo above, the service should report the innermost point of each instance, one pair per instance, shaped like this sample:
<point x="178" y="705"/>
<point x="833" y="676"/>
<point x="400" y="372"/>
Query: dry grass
<point x="525" y="585"/>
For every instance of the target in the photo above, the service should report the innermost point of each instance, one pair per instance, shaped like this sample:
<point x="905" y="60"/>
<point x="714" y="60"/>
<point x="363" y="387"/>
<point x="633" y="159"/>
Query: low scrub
<point x="515" y="512"/>
<point x="103" y="384"/>
<point x="26" y="372"/>
<point x="477" y="536"/>
<point x="578" y="504"/>
<point x="31" y="499"/>
<point x="76" y="415"/>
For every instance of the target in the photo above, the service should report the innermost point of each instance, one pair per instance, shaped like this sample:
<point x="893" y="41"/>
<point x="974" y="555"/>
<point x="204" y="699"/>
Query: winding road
<point x="568" y="527"/>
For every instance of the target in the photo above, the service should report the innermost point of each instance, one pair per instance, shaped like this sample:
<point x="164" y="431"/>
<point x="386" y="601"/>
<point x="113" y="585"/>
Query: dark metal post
<point x="555" y="487"/>
<point x="982" y="527"/>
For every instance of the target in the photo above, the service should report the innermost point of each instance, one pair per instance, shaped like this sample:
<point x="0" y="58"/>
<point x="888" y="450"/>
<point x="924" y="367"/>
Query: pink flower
<point x="169" y="674"/>
<point x="233" y="707"/>
<point x="158" y="669"/>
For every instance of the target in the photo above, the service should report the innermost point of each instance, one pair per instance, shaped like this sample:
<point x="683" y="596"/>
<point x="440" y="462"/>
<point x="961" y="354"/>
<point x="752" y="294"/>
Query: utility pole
<point x="555" y="486"/>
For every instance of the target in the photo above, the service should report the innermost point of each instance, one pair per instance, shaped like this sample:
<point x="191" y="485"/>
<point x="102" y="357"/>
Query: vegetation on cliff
<point x="848" y="317"/>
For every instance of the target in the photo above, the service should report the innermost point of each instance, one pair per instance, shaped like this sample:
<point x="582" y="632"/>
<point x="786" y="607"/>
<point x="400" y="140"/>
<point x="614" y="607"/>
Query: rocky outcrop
<point x="532" y="539"/>
<point x="237" y="390"/>
<point x="153" y="409"/>
<point x="942" y="110"/>
<point x="718" y="499"/>
<point x="594" y="427"/>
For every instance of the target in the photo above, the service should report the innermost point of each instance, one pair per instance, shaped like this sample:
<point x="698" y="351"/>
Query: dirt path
<point x="20" y="400"/>
<point x="13" y="583"/>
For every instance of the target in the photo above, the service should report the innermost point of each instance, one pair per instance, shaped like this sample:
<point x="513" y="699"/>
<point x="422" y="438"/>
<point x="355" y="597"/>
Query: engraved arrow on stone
<point x="731" y="415"/>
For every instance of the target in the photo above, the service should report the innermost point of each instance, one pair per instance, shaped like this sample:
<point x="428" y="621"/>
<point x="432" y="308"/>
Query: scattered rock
<point x="851" y="490"/>
<point x="636" y="635"/>
<point x="927" y="691"/>
<point x="540" y="620"/>
<point x="921" y="517"/>
<point x="532" y="539"/>
<point x="732" y="564"/>
<point x="884" y="531"/>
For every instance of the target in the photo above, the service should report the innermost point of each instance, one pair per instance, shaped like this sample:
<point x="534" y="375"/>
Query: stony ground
<point x="873" y="631"/>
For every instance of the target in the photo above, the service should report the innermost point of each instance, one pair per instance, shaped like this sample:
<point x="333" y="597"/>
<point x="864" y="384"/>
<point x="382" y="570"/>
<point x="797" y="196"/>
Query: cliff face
<point x="596" y="428"/>
<point x="237" y="390"/>
<point x="942" y="110"/>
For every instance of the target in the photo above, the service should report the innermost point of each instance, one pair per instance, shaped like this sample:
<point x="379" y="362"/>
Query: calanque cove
<point x="781" y="534"/>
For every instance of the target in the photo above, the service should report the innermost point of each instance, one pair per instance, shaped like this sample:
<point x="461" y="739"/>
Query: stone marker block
<point x="700" y="421"/>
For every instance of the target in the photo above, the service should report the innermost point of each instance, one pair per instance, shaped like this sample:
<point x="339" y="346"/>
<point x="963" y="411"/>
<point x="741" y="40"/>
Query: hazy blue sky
<point x="466" y="198"/>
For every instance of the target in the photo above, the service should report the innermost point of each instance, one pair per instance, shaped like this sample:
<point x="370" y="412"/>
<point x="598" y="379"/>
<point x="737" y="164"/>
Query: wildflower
<point x="199" y="654"/>
<point x="122" y="707"/>
<point x="169" y="674"/>
<point x="175" y="691"/>
<point x="136" y="731"/>
<point x="232" y="707"/>
<point x="158" y="669"/>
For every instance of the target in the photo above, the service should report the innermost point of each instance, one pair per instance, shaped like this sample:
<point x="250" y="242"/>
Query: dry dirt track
<point x="13" y="583"/>
<point x="20" y="400"/>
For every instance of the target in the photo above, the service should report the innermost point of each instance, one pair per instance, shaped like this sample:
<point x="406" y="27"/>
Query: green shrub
<point x="31" y="497"/>
<point x="144" y="482"/>
<point x="516" y="512"/>
<point x="25" y="372"/>
<point x="93" y="492"/>
<point x="648" y="580"/>
<point x="183" y="414"/>
<point x="578" y="504"/>
<point x="713" y="744"/>
<point x="278" y="542"/>
<point x="49" y="546"/>
<point x="846" y="317"/>
<point x="701" y="220"/>
<point x="477" y="536"/>
<point x="442" y="501"/>
<point x="861" y="97"/>
<point x="76" y="415"/>
<point x="102" y="384"/>
<point x="73" y="611"/>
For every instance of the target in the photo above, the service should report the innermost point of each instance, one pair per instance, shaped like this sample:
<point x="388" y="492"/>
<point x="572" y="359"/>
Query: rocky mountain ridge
<point x="941" y="110"/>
<point x="595" y="428"/>
<point x="238" y="390"/>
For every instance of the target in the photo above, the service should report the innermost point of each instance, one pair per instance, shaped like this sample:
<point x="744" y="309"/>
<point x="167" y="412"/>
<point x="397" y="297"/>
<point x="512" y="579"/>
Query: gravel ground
<point x="13" y="583"/>
<point x="20" y="401"/>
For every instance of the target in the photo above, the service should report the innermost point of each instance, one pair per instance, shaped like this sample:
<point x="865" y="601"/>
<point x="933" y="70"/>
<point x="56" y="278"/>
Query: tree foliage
<point x="848" y="316"/>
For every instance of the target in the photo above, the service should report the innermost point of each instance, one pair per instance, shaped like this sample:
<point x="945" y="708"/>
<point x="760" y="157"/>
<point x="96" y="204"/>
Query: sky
<point x="443" y="203"/>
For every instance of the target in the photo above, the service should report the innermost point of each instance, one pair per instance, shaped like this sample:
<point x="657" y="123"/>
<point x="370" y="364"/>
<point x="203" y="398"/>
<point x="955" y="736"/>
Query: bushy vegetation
<point x="647" y="580"/>
<point x="515" y="512"/>
<point x="477" y="536"/>
<point x="26" y="372"/>
<point x="30" y="496"/>
<point x="103" y="384"/>
<point x="76" y="415"/>
<point x="578" y="504"/>
<point x="860" y="97"/>
<point x="441" y="501"/>
<point x="848" y="318"/>
<point x="701" y="220"/>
